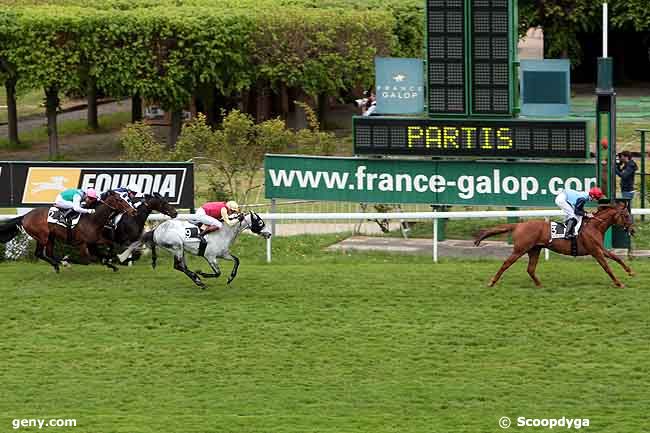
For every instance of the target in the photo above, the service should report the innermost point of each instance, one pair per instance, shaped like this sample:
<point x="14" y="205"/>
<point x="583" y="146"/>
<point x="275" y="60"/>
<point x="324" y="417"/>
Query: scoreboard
<point x="507" y="138"/>
<point x="471" y="99"/>
<point x="446" y="56"/>
<point x="470" y="57"/>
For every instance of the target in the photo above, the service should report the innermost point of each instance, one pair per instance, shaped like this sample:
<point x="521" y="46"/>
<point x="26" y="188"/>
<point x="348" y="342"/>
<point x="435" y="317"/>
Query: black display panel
<point x="446" y="57"/>
<point x="496" y="138"/>
<point x="490" y="38"/>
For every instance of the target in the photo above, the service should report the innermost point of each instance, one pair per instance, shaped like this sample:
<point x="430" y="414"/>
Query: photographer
<point x="625" y="169"/>
<point x="368" y="103"/>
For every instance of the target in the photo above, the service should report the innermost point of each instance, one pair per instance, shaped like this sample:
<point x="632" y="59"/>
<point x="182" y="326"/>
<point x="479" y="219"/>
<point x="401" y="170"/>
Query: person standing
<point x="626" y="169"/>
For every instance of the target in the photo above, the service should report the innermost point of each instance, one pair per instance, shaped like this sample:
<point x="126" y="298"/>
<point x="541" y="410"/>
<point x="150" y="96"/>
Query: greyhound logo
<point x="44" y="183"/>
<point x="56" y="183"/>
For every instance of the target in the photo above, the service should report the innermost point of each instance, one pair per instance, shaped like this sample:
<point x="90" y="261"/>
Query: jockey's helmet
<point x="91" y="193"/>
<point x="232" y="205"/>
<point x="596" y="193"/>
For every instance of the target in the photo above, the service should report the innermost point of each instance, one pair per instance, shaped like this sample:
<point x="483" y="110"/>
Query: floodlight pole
<point x="606" y="121"/>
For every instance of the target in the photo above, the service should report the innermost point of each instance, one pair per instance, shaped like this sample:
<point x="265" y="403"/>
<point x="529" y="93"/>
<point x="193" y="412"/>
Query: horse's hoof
<point x="632" y="274"/>
<point x="491" y="283"/>
<point x="620" y="285"/>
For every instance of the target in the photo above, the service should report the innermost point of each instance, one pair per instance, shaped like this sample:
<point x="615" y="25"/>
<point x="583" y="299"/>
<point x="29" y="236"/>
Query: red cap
<point x="596" y="193"/>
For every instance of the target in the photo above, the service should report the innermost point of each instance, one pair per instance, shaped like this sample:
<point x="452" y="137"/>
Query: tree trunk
<point x="136" y="108"/>
<point x="93" y="122"/>
<point x="51" y="105"/>
<point x="322" y="109"/>
<point x="284" y="101"/>
<point x="175" y="124"/>
<point x="12" y="111"/>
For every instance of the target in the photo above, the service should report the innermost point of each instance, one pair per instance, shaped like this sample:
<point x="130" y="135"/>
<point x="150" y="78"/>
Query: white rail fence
<point x="408" y="216"/>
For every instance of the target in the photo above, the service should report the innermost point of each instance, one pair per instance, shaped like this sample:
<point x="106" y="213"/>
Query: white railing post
<point x="268" y="241"/>
<point x="435" y="237"/>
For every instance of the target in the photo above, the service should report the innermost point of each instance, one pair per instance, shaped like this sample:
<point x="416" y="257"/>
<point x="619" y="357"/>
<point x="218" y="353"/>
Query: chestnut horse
<point x="531" y="236"/>
<point x="87" y="231"/>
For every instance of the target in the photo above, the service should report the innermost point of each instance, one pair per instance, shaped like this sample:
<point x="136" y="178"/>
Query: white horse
<point x="179" y="236"/>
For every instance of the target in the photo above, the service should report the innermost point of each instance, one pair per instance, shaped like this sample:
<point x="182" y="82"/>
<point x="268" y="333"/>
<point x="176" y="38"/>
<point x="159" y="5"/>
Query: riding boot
<point x="209" y="229"/>
<point x="570" y="228"/>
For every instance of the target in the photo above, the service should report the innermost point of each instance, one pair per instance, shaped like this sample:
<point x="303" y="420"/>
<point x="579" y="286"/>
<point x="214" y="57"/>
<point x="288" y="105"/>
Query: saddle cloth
<point x="192" y="233"/>
<point x="56" y="216"/>
<point x="558" y="230"/>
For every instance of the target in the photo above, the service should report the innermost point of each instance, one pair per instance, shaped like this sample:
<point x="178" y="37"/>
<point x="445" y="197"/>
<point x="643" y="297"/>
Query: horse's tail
<point x="486" y="233"/>
<point x="10" y="229"/>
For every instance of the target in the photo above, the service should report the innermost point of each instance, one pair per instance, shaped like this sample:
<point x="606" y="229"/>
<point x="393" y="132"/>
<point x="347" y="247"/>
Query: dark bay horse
<point x="87" y="231"/>
<point x="531" y="236"/>
<point x="131" y="227"/>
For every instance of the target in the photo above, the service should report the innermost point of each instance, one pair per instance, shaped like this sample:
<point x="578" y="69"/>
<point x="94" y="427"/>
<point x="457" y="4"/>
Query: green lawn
<point x="29" y="103"/>
<point x="319" y="342"/>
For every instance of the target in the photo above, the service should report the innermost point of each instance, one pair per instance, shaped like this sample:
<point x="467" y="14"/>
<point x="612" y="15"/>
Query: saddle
<point x="64" y="218"/>
<point x="194" y="234"/>
<point x="68" y="219"/>
<point x="558" y="231"/>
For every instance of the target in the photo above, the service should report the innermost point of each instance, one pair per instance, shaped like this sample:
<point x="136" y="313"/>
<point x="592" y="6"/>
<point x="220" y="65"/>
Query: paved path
<point x="448" y="248"/>
<point x="29" y="123"/>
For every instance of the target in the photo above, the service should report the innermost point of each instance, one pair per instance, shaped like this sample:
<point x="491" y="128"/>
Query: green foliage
<point x="313" y="140"/>
<point x="139" y="143"/>
<point x="196" y="136"/>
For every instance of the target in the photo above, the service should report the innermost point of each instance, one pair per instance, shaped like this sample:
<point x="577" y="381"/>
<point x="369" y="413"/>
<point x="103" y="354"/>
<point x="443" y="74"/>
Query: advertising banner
<point x="400" y="85"/>
<point x="466" y="183"/>
<point x="38" y="183"/>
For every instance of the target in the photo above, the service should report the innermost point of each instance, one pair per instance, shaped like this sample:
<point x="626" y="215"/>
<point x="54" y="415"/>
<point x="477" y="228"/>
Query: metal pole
<point x="643" y="172"/>
<point x="546" y="251"/>
<point x="604" y="29"/>
<point x="435" y="238"/>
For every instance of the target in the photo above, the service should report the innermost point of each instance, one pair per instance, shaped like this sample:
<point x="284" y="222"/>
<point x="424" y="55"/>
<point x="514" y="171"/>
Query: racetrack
<point x="324" y="342"/>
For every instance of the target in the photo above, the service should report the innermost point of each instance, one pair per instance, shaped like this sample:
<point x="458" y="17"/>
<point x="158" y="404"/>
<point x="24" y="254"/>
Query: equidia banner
<point x="362" y="180"/>
<point x="38" y="183"/>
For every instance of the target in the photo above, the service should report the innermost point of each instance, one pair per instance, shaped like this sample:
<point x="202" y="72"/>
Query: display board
<point x="507" y="138"/>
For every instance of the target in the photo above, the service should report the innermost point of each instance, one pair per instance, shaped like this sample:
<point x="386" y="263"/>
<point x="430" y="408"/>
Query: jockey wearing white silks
<point x="573" y="203"/>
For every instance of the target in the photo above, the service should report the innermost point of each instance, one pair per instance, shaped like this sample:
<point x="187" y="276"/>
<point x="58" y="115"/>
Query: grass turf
<point x="320" y="342"/>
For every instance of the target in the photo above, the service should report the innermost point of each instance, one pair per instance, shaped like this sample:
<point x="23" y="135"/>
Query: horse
<point x="88" y="229"/>
<point x="179" y="236"/>
<point x="531" y="236"/>
<point x="130" y="227"/>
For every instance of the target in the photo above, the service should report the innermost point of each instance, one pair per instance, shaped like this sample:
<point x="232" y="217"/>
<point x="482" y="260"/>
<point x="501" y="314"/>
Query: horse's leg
<point x="154" y="256"/>
<point x="180" y="265"/>
<point x="215" y="268"/>
<point x="617" y="259"/>
<point x="533" y="257"/>
<point x="600" y="258"/>
<point x="235" y="259"/>
<point x="509" y="261"/>
<point x="127" y="252"/>
<point x="104" y="259"/>
<point x="41" y="254"/>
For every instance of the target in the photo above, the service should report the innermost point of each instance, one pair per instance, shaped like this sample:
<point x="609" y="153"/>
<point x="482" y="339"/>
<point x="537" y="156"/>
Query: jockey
<point x="128" y="195"/>
<point x="73" y="199"/>
<point x="213" y="213"/>
<point x="573" y="203"/>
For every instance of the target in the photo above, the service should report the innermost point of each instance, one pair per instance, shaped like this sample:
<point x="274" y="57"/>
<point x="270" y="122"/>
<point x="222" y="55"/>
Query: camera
<point x="359" y="103"/>
<point x="363" y="102"/>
